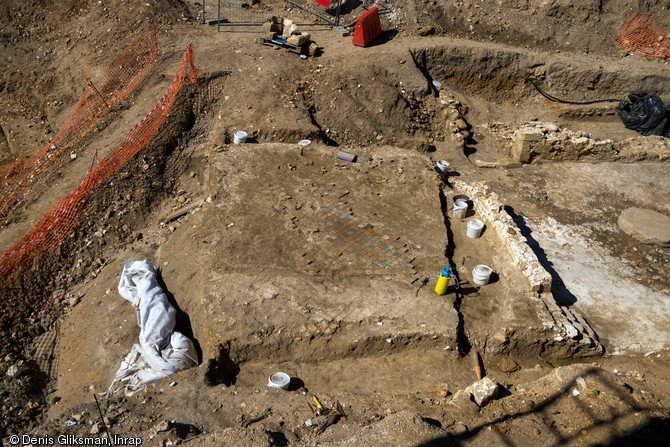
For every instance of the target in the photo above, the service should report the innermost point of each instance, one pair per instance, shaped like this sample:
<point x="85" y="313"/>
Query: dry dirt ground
<point x="287" y="259"/>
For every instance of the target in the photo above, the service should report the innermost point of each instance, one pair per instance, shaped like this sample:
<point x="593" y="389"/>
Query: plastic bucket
<point x="475" y="228"/>
<point x="462" y="198"/>
<point x="240" y="137"/>
<point x="279" y="380"/>
<point x="481" y="274"/>
<point x="460" y="208"/>
<point x="441" y="166"/>
<point x="304" y="143"/>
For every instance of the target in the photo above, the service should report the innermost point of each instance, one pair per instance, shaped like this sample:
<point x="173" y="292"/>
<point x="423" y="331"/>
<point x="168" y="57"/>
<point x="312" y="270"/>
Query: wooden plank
<point x="183" y="211"/>
<point x="287" y="46"/>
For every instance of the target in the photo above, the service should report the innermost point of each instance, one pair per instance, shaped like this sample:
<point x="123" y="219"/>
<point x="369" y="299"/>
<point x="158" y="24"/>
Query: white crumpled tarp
<point x="161" y="351"/>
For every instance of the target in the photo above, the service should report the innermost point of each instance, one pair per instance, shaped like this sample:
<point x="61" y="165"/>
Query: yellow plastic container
<point x="443" y="281"/>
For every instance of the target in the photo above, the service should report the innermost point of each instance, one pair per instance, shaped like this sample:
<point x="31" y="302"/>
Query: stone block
<point x="460" y="124"/>
<point x="571" y="331"/>
<point x="521" y="150"/>
<point x="483" y="391"/>
<point x="298" y="39"/>
<point x="529" y="134"/>
<point x="553" y="308"/>
<point x="289" y="28"/>
<point x="425" y="30"/>
<point x="525" y="139"/>
<point x="509" y="365"/>
<point x="587" y="327"/>
<point x="443" y="389"/>
<point x="647" y="226"/>
<point x="535" y="286"/>
<point x="463" y="401"/>
<point x="508" y="163"/>
<point x="272" y="27"/>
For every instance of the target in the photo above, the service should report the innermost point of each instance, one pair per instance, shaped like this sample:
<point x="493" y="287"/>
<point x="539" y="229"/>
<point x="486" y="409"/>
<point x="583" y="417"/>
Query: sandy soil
<point x="262" y="272"/>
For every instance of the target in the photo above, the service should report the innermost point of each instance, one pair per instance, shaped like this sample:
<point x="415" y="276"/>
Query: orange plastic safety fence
<point x="57" y="223"/>
<point x="641" y="36"/>
<point x="118" y="80"/>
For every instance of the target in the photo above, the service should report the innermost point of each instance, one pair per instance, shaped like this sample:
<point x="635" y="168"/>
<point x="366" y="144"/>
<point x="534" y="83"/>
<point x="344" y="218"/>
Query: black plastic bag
<point x="646" y="114"/>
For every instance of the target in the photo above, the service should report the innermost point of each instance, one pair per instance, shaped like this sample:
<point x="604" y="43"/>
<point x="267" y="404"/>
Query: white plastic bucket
<point x="460" y="208"/>
<point x="475" y="228"/>
<point x="240" y="137"/>
<point x="442" y="166"/>
<point x="481" y="274"/>
<point x="304" y="143"/>
<point x="279" y="380"/>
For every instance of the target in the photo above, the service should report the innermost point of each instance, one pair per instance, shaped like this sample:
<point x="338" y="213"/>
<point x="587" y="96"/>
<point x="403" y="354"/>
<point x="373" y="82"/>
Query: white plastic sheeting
<point x="161" y="351"/>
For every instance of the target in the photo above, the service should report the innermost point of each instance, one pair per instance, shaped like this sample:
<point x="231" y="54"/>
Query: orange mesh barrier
<point x="641" y="36"/>
<point x="55" y="225"/>
<point x="118" y="80"/>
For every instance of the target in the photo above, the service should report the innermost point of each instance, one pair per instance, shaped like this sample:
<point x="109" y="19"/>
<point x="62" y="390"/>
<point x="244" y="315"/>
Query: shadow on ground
<point x="653" y="431"/>
<point x="561" y="293"/>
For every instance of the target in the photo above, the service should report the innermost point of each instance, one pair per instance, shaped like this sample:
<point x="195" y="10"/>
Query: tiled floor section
<point x="357" y="246"/>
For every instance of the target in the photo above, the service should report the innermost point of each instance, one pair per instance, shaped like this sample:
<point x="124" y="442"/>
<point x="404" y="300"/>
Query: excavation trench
<point x="464" y="345"/>
<point x="279" y="265"/>
<point x="494" y="84"/>
<point x="288" y="259"/>
<point x="275" y="269"/>
<point x="280" y="281"/>
<point x="302" y="263"/>
<point x="500" y="74"/>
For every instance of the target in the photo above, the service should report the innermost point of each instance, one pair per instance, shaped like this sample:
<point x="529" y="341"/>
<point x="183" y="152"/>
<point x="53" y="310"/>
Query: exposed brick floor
<point x="356" y="245"/>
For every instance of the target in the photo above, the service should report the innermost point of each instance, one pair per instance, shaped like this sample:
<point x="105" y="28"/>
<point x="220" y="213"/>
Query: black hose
<point x="552" y="98"/>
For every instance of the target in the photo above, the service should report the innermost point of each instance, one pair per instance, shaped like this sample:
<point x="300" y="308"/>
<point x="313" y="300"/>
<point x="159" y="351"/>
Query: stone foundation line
<point x="567" y="323"/>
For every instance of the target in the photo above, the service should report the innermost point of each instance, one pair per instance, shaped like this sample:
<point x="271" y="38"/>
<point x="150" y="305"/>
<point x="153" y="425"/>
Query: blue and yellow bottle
<point x="443" y="281"/>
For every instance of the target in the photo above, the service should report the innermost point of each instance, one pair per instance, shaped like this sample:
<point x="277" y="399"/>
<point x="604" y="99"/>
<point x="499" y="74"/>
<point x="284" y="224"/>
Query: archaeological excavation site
<point x="335" y="223"/>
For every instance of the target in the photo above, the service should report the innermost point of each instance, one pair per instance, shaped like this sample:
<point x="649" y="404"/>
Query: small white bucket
<point x="279" y="380"/>
<point x="240" y="137"/>
<point x="304" y="143"/>
<point x="460" y="208"/>
<point x="462" y="198"/>
<point x="475" y="228"/>
<point x="442" y="166"/>
<point x="481" y="274"/>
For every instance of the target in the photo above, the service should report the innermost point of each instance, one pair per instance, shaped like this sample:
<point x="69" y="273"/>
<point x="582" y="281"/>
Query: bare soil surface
<point x="287" y="259"/>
